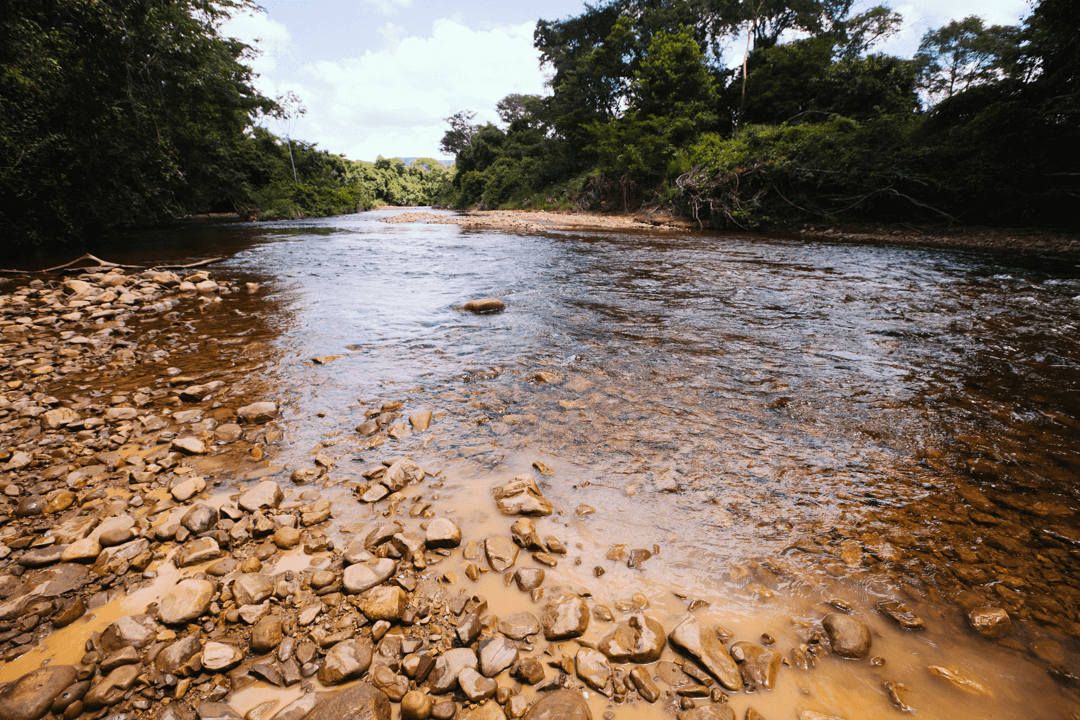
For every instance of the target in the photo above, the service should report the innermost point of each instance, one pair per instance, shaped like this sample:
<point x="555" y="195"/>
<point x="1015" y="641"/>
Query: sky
<point x="379" y="77"/>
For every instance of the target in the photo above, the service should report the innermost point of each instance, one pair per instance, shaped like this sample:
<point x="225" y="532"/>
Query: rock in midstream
<point x="848" y="637"/>
<point x="701" y="643"/>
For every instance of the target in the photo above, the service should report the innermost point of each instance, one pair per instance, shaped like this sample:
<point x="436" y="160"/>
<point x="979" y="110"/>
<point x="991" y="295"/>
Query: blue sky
<point x="378" y="76"/>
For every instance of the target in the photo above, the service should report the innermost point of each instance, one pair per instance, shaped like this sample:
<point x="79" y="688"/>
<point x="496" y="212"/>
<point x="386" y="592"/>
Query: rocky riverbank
<point x="156" y="563"/>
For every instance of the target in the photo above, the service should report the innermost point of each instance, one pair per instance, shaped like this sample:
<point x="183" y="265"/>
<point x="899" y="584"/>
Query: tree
<point x="962" y="54"/>
<point x="118" y="112"/>
<point x="461" y="132"/>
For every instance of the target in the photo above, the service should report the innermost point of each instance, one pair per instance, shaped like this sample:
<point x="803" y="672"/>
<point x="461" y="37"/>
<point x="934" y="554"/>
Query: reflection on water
<point x="789" y="422"/>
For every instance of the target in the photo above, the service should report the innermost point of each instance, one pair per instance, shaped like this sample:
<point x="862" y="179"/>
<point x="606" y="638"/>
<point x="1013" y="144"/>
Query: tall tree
<point x="962" y="54"/>
<point x="115" y="112"/>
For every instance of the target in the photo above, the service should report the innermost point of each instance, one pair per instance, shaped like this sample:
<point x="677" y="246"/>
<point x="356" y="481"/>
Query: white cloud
<point x="271" y="38"/>
<point x="393" y="101"/>
<point x="389" y="6"/>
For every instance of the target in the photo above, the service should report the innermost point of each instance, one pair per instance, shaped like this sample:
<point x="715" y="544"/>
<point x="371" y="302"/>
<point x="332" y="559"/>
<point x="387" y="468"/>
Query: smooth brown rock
<point x="501" y="552"/>
<point x="383" y="603"/>
<point x="186" y="602"/>
<point x="30" y="697"/>
<point x="448" y="666"/>
<point x="266" y="634"/>
<point x="560" y="705"/>
<point x="594" y="670"/>
<point x="759" y="665"/>
<point x="990" y="622"/>
<point x="252" y="588"/>
<point x="484" y="306"/>
<point x="259" y="412"/>
<point x="849" y="638"/>
<point x="442" y="533"/>
<point x="344" y="661"/>
<point x="519" y="625"/>
<point x="263" y="496"/>
<point x="521" y="496"/>
<point x="701" y="643"/>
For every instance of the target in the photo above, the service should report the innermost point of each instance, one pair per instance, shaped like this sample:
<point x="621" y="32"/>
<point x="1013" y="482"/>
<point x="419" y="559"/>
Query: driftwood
<point x="102" y="264"/>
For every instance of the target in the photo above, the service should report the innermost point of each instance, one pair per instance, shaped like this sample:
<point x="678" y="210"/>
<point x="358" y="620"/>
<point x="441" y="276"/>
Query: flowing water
<point x="786" y="424"/>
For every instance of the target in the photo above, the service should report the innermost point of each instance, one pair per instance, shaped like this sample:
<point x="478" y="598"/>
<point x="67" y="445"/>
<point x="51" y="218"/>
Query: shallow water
<point x="831" y="422"/>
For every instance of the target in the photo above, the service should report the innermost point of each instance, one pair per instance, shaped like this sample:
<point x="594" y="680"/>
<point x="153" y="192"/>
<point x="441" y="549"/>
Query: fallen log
<point x="103" y="264"/>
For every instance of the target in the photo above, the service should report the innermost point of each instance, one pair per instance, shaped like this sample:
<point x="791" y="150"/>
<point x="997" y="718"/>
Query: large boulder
<point x="561" y="705"/>
<point x="359" y="702"/>
<point x="701" y="643"/>
<point x="30" y="697"/>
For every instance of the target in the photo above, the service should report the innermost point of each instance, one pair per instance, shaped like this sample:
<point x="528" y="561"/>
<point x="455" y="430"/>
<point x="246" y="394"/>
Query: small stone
<point x="501" y="552"/>
<point x="759" y="665"/>
<point x="528" y="670"/>
<point x="990" y="622"/>
<point x="849" y="638"/>
<point x="252" y="588"/>
<point x="644" y="684"/>
<point x="484" y="306"/>
<point x="475" y="686"/>
<point x="521" y="496"/>
<point x="263" y="496"/>
<point x="519" y="625"/>
<point x="593" y="668"/>
<point x="189" y="445"/>
<point x="200" y="519"/>
<point x="701" y="643"/>
<point x="639" y="639"/>
<point x="416" y="705"/>
<point x="287" y="537"/>
<point x="344" y="661"/>
<point x="448" y="666"/>
<point x="266" y="634"/>
<point x="529" y="578"/>
<point x="496" y="654"/>
<point x="383" y="603"/>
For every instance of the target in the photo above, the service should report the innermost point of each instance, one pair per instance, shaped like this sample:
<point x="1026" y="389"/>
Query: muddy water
<point x="788" y="424"/>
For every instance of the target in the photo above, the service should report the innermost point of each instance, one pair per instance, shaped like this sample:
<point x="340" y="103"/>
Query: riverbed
<point x="790" y="428"/>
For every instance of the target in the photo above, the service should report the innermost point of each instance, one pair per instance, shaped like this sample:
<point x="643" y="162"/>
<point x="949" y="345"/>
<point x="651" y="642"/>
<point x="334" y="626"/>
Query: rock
<point x="302" y="476"/>
<point x="228" y="433"/>
<point x="30" y="506"/>
<point x="811" y="715"/>
<point x="266" y="634"/>
<point x="644" y="684"/>
<point x="528" y="670"/>
<point x="110" y="690"/>
<point x="364" y="576"/>
<point x="501" y="552"/>
<point x="565" y="617"/>
<point x="187" y="489"/>
<point x="263" y="496"/>
<point x="593" y="669"/>
<point x="529" y="578"/>
<point x="252" y="614"/>
<point x="85" y="550"/>
<point x="701" y="643"/>
<point x="58" y="417"/>
<point x="758" y="664"/>
<point x="990" y="622"/>
<point x="715" y="711"/>
<point x="489" y="710"/>
<point x="421" y="420"/>
<point x="521" y="496"/>
<point x="416" y="705"/>
<point x="346" y="660"/>
<point x="484" y="306"/>
<point x="639" y="639"/>
<point x="136" y="631"/>
<point x="442" y="533"/>
<point x="216" y="711"/>
<point x="252" y="588"/>
<point x="523" y="531"/>
<point x="189" y="445"/>
<point x="119" y="414"/>
<point x="468" y="629"/>
<point x="259" y="412"/>
<point x="448" y="666"/>
<point x="199" y="551"/>
<point x="358" y="702"/>
<point x="959" y="680"/>
<point x="126" y="656"/>
<point x="298" y="709"/>
<point x="287" y="537"/>
<point x="181" y="658"/>
<point x="902" y="614"/>
<point x="496" y="654"/>
<point x="849" y="638"/>
<point x="519" y="625"/>
<point x="199" y="519"/>
<point x="401" y="474"/>
<point x="220" y="656"/>
<point x="475" y="686"/>
<point x="186" y="602"/>
<point x="383" y="603"/>
<point x="560" y="705"/>
<point x="31" y="696"/>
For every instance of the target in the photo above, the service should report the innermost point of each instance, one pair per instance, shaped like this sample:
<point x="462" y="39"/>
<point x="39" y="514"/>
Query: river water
<point x="787" y="423"/>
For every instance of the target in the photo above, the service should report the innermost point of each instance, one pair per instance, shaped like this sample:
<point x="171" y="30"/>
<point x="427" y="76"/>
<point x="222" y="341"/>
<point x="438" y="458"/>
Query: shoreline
<point x="1027" y="240"/>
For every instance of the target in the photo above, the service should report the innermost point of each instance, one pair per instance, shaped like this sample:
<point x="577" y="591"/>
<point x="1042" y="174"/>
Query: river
<point x="786" y="424"/>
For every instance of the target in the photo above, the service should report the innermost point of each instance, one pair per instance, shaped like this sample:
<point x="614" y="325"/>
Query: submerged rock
<point x="701" y="643"/>
<point x="521" y="496"/>
<point x="639" y="639"/>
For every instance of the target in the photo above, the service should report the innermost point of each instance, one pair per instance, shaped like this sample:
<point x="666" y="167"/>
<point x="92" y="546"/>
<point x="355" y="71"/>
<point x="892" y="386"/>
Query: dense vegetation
<point x="983" y="125"/>
<point x="119" y="113"/>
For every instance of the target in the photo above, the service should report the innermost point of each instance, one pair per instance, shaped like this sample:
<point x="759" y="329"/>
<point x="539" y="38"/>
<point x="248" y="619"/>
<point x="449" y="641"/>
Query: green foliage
<point x="963" y="54"/>
<point x="116" y="113"/>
